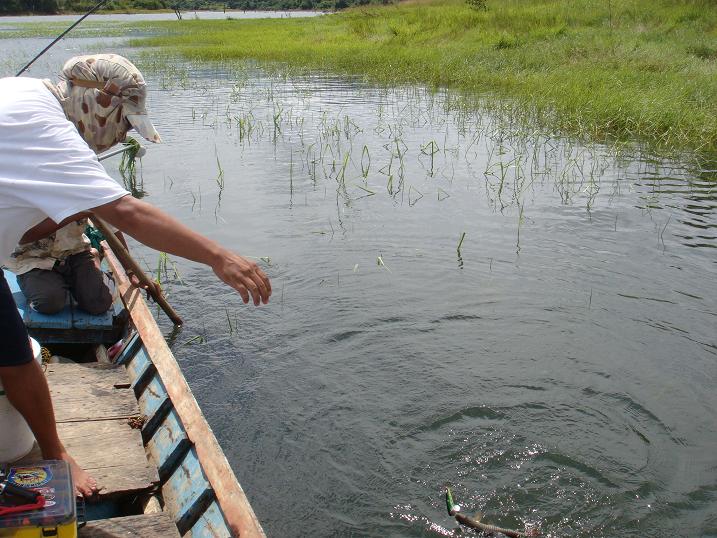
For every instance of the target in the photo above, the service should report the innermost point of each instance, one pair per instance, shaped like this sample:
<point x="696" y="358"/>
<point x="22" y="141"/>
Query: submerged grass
<point x="620" y="69"/>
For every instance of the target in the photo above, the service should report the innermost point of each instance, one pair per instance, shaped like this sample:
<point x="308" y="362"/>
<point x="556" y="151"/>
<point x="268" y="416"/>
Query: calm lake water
<point x="559" y="369"/>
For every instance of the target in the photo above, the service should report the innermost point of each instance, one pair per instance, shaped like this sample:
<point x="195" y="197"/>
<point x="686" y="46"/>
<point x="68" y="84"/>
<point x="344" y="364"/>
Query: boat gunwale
<point x="230" y="496"/>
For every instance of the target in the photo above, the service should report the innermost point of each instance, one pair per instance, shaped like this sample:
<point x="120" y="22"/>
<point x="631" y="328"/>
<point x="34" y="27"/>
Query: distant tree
<point x="10" y="6"/>
<point x="28" y="6"/>
<point x="79" y="6"/>
<point x="150" y="4"/>
<point x="46" y="6"/>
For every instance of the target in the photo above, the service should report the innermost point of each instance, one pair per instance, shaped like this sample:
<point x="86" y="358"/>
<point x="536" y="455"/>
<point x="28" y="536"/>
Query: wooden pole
<point x="128" y="262"/>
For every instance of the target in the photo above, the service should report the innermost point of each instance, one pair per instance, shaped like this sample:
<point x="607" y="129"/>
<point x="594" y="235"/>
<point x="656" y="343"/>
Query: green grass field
<point x="602" y="69"/>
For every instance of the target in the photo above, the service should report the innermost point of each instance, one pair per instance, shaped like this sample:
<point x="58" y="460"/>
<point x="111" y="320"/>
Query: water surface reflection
<point x="559" y="369"/>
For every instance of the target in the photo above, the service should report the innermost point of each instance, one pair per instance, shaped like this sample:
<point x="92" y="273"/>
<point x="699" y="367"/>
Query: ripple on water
<point x="489" y="454"/>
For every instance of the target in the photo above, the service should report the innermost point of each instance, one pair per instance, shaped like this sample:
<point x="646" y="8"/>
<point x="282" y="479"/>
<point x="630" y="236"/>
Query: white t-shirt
<point x="46" y="168"/>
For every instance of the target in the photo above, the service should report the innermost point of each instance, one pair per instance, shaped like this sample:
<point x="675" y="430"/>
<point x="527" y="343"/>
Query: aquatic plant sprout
<point x="324" y="147"/>
<point x="128" y="167"/>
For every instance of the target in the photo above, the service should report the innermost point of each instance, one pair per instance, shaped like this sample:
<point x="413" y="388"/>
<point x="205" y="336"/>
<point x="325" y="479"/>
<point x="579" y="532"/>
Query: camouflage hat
<point x="105" y="95"/>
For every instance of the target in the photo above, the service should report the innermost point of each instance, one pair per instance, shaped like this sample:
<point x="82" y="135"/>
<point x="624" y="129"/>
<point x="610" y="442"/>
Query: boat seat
<point x="70" y="325"/>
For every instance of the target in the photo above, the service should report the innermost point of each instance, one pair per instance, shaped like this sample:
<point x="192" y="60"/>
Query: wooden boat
<point x="134" y="424"/>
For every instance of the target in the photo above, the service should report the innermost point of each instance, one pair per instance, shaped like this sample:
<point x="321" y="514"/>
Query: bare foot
<point x="85" y="485"/>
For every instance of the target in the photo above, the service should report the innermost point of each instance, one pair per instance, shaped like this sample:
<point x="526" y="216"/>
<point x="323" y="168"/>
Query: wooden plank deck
<point x="142" y="526"/>
<point x="90" y="392"/>
<point x="93" y="404"/>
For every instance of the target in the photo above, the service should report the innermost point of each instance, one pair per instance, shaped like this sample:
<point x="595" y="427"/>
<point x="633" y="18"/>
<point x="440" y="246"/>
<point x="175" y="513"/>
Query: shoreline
<point x="631" y="71"/>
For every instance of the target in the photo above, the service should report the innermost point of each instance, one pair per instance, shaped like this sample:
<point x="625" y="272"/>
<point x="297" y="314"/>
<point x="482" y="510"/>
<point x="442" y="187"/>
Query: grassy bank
<point x="628" y="69"/>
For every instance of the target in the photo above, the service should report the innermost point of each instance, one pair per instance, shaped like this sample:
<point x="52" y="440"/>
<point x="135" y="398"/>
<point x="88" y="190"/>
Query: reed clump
<point x="624" y="69"/>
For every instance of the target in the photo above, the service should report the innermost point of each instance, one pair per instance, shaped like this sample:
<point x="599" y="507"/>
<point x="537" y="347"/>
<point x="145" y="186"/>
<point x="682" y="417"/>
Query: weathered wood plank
<point x="231" y="498"/>
<point x="168" y="443"/>
<point x="91" y="413"/>
<point x="153" y="399"/>
<point x="112" y="453"/>
<point x="187" y="492"/>
<point x="210" y="525"/>
<point x="74" y="386"/>
<point x="142" y="526"/>
<point x="139" y="367"/>
<point x="129" y="349"/>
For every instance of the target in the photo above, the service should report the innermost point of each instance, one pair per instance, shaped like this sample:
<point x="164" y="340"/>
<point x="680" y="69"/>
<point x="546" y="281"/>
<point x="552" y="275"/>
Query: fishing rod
<point x="43" y="51"/>
<point x="124" y="147"/>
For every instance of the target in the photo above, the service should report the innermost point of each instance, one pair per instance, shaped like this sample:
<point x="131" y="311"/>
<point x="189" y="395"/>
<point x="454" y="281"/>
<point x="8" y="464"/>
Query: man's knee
<point x="44" y="290"/>
<point x="50" y="303"/>
<point x="93" y="296"/>
<point x="97" y="303"/>
<point x="88" y="284"/>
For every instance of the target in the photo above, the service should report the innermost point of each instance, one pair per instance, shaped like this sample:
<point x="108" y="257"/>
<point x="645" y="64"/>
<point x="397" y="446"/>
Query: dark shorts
<point x="46" y="289"/>
<point x="15" y="346"/>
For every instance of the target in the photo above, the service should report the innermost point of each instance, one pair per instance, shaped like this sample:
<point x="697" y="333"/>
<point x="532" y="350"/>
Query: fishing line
<point x="43" y="51"/>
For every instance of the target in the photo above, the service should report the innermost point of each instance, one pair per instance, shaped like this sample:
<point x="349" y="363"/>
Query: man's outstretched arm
<point x="49" y="226"/>
<point x="158" y="230"/>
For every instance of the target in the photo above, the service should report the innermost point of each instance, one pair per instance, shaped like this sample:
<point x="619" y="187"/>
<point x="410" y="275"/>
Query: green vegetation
<point x="600" y="69"/>
<point x="28" y="6"/>
<point x="58" y="6"/>
<point x="131" y="6"/>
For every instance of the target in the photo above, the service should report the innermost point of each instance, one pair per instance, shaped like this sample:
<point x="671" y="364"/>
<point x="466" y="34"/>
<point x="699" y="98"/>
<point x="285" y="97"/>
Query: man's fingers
<point x="257" y="284"/>
<point x="263" y="287"/>
<point x="242" y="291"/>
<point x="265" y="282"/>
<point x="245" y="277"/>
<point x="253" y="290"/>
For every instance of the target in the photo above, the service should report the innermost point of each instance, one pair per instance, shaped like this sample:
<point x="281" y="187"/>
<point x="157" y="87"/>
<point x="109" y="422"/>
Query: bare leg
<point x="27" y="390"/>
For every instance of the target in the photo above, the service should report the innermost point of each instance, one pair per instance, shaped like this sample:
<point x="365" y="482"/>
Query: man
<point x="48" y="268"/>
<point x="50" y="176"/>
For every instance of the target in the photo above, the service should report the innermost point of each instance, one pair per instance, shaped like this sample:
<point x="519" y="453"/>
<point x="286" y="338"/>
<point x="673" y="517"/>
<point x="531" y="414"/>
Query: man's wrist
<point x="216" y="254"/>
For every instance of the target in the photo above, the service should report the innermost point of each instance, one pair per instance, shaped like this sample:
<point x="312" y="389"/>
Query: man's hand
<point x="152" y="288"/>
<point x="243" y="275"/>
<point x="158" y="230"/>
